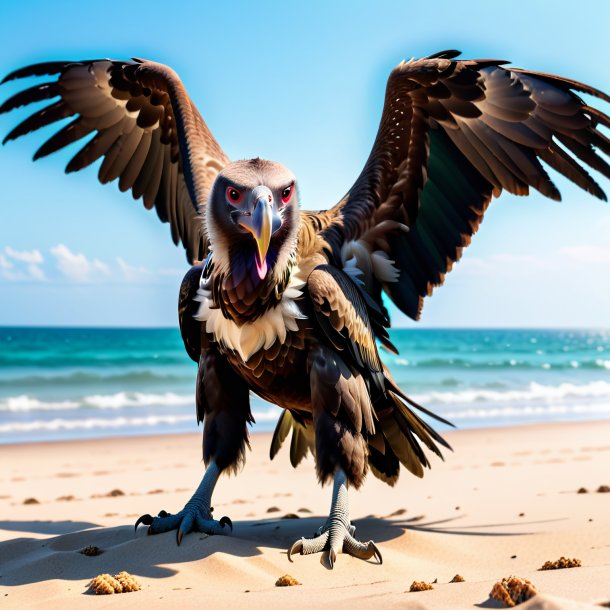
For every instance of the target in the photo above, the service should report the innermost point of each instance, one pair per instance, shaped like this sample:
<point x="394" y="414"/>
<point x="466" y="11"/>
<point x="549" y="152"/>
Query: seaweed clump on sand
<point x="562" y="562"/>
<point x="457" y="578"/>
<point x="286" y="581"/>
<point x="420" y="586"/>
<point x="105" y="584"/>
<point x="512" y="591"/>
<point x="91" y="551"/>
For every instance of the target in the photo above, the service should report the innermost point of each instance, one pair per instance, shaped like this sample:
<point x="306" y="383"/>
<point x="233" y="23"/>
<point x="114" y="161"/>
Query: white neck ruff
<point x="263" y="332"/>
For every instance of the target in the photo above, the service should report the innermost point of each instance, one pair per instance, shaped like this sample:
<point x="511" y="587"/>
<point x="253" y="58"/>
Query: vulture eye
<point x="234" y="196"/>
<point x="287" y="193"/>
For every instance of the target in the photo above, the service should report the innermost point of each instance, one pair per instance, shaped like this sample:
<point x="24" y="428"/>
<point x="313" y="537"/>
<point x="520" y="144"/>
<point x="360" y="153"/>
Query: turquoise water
<point x="84" y="383"/>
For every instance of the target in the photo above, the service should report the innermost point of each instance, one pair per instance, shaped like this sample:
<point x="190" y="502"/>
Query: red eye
<point x="287" y="193"/>
<point x="234" y="196"/>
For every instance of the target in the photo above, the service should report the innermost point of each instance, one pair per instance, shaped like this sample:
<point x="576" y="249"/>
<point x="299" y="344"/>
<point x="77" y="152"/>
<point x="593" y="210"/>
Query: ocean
<point x="63" y="383"/>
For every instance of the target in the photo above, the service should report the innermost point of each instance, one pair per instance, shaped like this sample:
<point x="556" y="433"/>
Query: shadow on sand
<point x="148" y="556"/>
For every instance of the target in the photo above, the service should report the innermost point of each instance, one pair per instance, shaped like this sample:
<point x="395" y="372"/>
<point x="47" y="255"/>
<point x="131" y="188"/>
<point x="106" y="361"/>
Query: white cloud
<point x="588" y="254"/>
<point x="78" y="267"/>
<point x="36" y="272"/>
<point x="31" y="257"/>
<point x="5" y="263"/>
<point x="27" y="267"/>
<point x="133" y="273"/>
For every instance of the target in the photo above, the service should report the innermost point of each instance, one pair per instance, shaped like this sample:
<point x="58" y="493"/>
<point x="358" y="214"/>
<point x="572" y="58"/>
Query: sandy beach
<point x="503" y="503"/>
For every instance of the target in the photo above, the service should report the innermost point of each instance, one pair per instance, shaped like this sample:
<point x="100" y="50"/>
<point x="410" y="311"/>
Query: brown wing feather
<point x="144" y="126"/>
<point x="452" y="135"/>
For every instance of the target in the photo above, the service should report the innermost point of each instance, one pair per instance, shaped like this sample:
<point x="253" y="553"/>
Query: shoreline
<point x="504" y="502"/>
<point x="252" y="433"/>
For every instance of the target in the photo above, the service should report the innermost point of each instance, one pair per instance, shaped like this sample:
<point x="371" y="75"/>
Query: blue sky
<point x="301" y="83"/>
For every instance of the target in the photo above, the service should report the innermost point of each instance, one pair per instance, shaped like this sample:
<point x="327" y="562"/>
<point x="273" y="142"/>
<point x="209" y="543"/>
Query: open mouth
<point x="261" y="265"/>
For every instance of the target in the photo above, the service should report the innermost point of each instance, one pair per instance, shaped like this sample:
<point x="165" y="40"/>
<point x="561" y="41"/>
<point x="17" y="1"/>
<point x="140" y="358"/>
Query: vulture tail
<point x="384" y="464"/>
<point x="302" y="438"/>
<point x="406" y="433"/>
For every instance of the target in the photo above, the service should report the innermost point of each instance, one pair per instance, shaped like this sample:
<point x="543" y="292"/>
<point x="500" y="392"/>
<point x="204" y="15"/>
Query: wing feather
<point x="144" y="127"/>
<point x="453" y="134"/>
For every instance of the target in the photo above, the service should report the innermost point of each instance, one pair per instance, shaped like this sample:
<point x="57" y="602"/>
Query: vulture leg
<point x="223" y="405"/>
<point x="337" y="534"/>
<point x="195" y="516"/>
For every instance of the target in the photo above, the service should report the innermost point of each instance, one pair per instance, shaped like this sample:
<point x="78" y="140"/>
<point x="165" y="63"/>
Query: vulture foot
<point x="336" y="538"/>
<point x="196" y="516"/>
<point x="337" y="534"/>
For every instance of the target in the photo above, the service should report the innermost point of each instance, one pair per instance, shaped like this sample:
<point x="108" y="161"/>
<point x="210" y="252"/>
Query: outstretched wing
<point x="144" y="125"/>
<point x="452" y="135"/>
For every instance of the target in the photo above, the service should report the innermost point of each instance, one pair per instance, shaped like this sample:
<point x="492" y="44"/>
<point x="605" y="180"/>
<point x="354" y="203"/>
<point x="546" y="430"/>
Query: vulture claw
<point x="145" y="519"/>
<point x="334" y="538"/>
<point x="337" y="534"/>
<point x="190" y="519"/>
<point x="297" y="547"/>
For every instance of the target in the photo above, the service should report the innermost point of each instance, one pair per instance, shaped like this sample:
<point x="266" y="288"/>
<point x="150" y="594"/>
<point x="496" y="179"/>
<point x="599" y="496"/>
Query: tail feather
<point x="298" y="445"/>
<point x="424" y="432"/>
<point x="405" y="451"/>
<point x="282" y="429"/>
<point x="300" y="442"/>
<point x="384" y="465"/>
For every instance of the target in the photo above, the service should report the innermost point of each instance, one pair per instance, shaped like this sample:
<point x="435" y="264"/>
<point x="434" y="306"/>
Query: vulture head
<point x="252" y="219"/>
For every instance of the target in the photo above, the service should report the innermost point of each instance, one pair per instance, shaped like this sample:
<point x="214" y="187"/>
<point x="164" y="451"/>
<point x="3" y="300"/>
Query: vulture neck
<point x="237" y="288"/>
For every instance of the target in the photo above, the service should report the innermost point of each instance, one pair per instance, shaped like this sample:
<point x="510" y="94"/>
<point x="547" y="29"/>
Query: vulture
<point x="289" y="303"/>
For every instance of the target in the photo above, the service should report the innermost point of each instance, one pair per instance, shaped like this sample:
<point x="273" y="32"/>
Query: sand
<point x="503" y="503"/>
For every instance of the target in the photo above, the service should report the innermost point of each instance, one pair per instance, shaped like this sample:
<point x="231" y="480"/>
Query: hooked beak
<point x="262" y="222"/>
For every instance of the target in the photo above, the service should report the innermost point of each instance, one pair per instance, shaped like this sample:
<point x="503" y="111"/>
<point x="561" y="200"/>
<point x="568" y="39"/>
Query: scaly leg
<point x="196" y="516"/>
<point x="337" y="533"/>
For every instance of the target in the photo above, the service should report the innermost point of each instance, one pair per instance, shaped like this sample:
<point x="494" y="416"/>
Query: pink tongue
<point x="261" y="267"/>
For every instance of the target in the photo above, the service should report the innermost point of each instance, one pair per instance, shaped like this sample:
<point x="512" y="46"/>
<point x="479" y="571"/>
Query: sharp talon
<point x="377" y="553"/>
<point x="179" y="536"/>
<point x="145" y="519"/>
<point x="226" y="521"/>
<point x="297" y="546"/>
<point x="332" y="558"/>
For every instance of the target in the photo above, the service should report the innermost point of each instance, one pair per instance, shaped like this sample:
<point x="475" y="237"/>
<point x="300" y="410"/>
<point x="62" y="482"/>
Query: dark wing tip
<point x="449" y="54"/>
<point x="48" y="67"/>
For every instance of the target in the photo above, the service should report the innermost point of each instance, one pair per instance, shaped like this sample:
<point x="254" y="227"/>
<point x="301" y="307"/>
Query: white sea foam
<point x="542" y="412"/>
<point x="93" y="423"/>
<point x="535" y="392"/>
<point x="60" y="424"/>
<point x="25" y="403"/>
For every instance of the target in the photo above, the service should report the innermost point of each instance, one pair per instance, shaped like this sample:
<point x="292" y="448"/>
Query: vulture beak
<point x="262" y="221"/>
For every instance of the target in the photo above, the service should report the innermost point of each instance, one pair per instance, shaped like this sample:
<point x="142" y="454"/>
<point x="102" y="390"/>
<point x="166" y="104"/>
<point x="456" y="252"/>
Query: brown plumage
<point x="288" y="304"/>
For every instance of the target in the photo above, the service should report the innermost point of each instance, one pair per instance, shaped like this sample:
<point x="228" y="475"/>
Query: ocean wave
<point x="80" y="378"/>
<point x="116" y="423"/>
<point x="511" y="363"/>
<point x="25" y="403"/>
<point x="90" y="360"/>
<point x="534" y="392"/>
<point x="544" y="412"/>
<point x="59" y="424"/>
